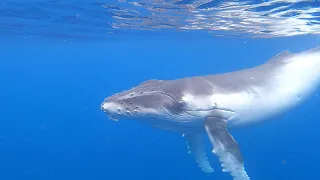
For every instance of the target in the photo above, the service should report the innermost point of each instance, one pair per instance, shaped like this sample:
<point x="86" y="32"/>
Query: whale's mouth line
<point x="207" y="110"/>
<point x="215" y="108"/>
<point x="226" y="110"/>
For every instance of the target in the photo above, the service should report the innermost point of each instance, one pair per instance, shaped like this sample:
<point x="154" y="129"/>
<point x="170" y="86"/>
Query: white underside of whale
<point x="294" y="82"/>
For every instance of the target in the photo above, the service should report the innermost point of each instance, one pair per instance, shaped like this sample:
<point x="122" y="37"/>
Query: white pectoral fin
<point x="226" y="148"/>
<point x="196" y="147"/>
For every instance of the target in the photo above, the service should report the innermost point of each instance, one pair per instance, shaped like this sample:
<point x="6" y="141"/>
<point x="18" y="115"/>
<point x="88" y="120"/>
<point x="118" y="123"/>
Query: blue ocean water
<point x="56" y="69"/>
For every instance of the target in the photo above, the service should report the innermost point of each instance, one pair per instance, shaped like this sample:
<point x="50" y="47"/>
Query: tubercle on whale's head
<point x="150" y="99"/>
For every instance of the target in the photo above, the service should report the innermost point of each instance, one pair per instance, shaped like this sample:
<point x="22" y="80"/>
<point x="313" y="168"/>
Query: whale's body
<point x="209" y="104"/>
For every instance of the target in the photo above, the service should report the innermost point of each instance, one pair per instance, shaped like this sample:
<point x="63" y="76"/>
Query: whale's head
<point x="152" y="99"/>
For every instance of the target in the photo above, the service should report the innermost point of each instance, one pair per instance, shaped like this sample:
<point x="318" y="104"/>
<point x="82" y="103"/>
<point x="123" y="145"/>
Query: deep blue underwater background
<point x="52" y="128"/>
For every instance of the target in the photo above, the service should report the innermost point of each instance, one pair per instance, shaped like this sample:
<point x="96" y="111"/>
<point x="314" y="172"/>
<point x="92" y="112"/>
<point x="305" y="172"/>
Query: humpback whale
<point x="212" y="104"/>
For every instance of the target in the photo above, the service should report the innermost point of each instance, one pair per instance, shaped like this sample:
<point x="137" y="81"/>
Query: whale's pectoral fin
<point x="226" y="148"/>
<point x="196" y="147"/>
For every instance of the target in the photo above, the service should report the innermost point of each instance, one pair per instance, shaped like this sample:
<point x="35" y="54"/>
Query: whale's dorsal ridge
<point x="281" y="56"/>
<point x="316" y="49"/>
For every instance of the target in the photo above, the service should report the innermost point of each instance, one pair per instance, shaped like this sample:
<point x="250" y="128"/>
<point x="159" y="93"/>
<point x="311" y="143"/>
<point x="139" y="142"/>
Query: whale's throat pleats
<point x="226" y="148"/>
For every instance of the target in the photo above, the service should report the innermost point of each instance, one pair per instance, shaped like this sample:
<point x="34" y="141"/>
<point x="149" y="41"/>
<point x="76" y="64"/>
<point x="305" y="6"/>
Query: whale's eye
<point x="182" y="103"/>
<point x="178" y="106"/>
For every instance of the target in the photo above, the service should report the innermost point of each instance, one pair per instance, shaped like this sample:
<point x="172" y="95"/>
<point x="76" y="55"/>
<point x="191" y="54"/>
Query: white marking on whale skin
<point x="292" y="83"/>
<point x="295" y="82"/>
<point x="188" y="97"/>
<point x="198" y="103"/>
